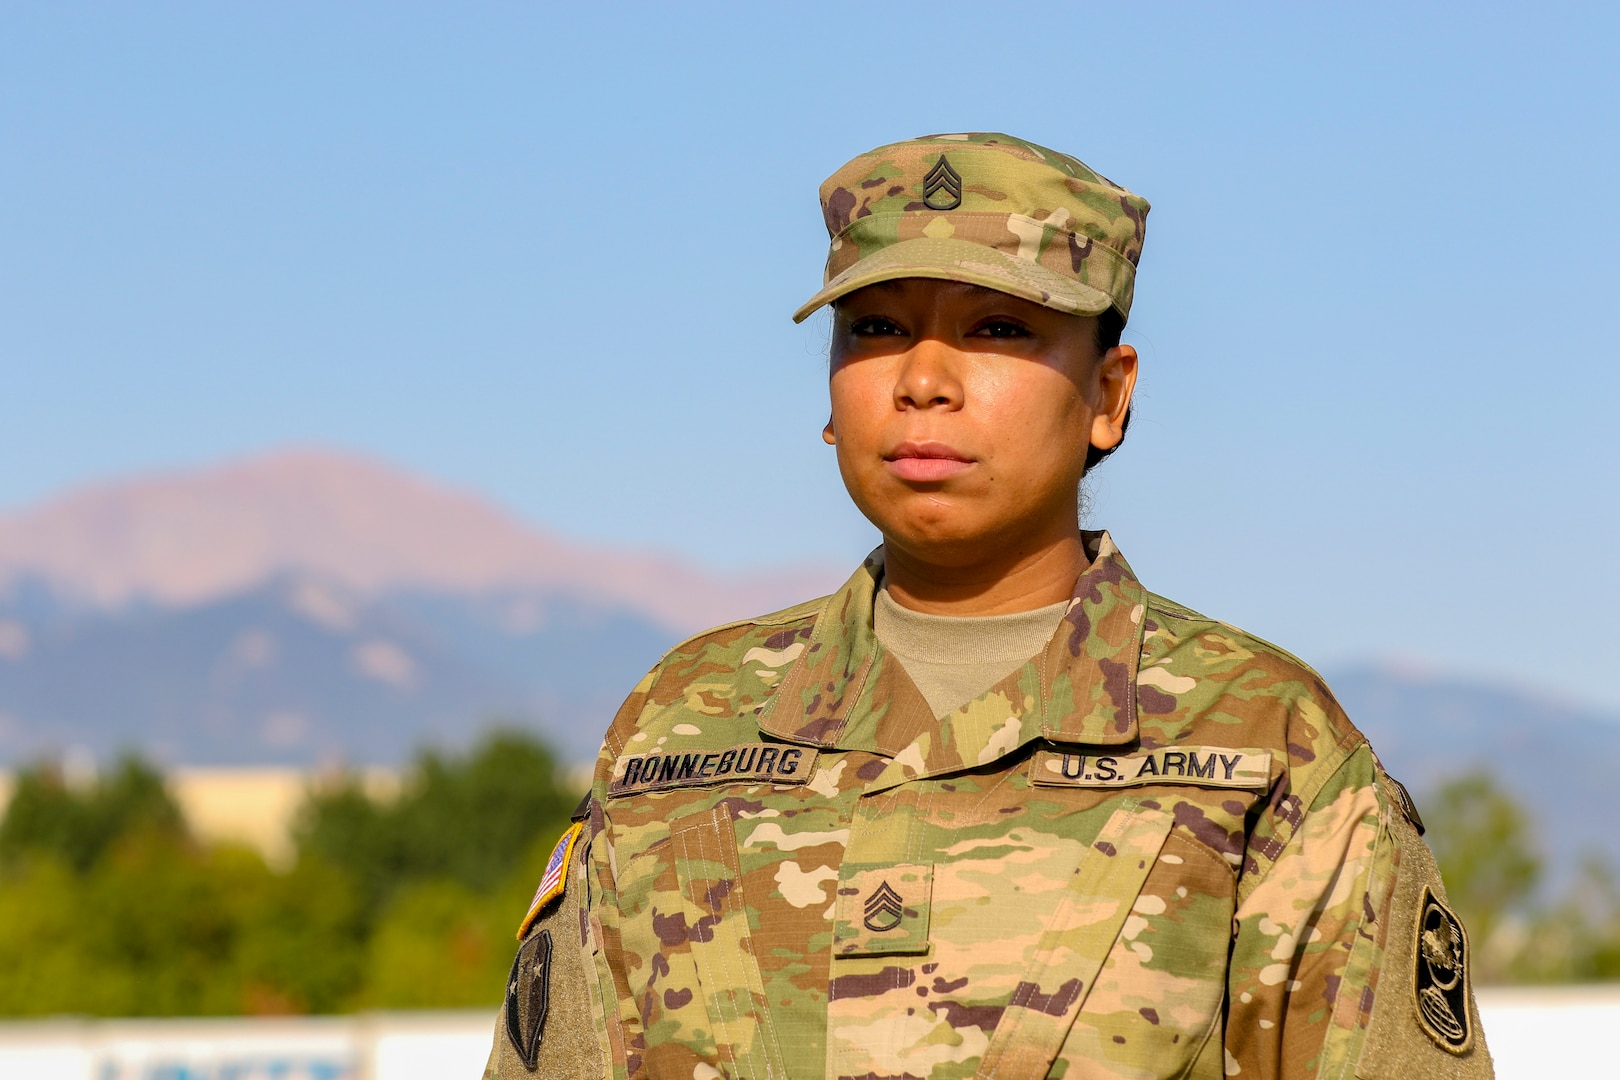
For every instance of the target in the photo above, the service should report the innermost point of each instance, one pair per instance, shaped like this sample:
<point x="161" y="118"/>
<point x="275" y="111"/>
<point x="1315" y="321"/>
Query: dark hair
<point x="1110" y="325"/>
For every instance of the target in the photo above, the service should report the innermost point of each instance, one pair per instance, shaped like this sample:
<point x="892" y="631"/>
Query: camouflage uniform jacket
<point x="1157" y="850"/>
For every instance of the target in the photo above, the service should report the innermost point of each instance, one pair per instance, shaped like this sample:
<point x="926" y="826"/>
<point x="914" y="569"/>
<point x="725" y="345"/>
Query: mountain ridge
<point x="191" y="536"/>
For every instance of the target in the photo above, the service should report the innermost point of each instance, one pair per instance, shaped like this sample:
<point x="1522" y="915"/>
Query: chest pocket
<point x="1018" y="934"/>
<point x="698" y="984"/>
<point x="1063" y="969"/>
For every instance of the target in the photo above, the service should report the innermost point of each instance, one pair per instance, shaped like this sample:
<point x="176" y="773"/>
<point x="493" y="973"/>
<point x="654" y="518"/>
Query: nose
<point x="928" y="377"/>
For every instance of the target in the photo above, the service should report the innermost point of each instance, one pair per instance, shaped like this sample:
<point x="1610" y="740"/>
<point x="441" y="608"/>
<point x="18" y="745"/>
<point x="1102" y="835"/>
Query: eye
<point x="1000" y="328"/>
<point x="875" y="326"/>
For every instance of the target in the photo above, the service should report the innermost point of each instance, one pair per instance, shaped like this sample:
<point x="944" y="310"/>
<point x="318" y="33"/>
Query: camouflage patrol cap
<point x="986" y="209"/>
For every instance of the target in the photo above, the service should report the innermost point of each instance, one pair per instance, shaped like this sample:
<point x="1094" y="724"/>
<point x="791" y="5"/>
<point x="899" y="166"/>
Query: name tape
<point x="757" y="763"/>
<point x="1204" y="766"/>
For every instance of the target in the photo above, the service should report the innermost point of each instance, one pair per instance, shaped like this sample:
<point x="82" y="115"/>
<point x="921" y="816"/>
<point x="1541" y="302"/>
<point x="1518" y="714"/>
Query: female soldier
<point x="992" y="809"/>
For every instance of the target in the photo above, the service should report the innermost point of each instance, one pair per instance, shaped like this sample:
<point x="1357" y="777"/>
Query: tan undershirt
<point x="955" y="658"/>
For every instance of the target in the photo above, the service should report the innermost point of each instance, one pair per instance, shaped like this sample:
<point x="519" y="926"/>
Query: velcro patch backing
<point x="746" y="763"/>
<point x="1203" y="766"/>
<point x="882" y="910"/>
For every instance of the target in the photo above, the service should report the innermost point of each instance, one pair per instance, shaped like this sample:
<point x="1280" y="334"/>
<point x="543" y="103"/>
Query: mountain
<point x="192" y="537"/>
<point x="313" y="605"/>
<point x="298" y="671"/>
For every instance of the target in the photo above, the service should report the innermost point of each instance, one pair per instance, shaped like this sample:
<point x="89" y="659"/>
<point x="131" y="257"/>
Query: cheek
<point x="1034" y="412"/>
<point x="1041" y="436"/>
<point x="859" y="406"/>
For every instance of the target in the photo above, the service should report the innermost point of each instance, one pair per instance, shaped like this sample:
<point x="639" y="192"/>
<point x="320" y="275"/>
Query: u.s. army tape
<point x="1203" y="766"/>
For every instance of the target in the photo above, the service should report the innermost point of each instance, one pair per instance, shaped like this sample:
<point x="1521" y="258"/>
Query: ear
<point x="827" y="434"/>
<point x="1116" y="382"/>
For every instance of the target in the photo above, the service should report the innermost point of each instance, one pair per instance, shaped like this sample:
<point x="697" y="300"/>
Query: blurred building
<point x="1532" y="1033"/>
<point x="380" y="1046"/>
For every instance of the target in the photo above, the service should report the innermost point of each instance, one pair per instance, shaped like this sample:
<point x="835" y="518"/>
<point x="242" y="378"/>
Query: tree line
<point x="110" y="906"/>
<point x="1520" y="930"/>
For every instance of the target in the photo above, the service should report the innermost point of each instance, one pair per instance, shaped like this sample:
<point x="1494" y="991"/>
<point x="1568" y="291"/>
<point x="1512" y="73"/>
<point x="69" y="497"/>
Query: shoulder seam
<point x="1182" y="611"/>
<point x="1345" y="751"/>
<point x="775" y="618"/>
<point x="1155" y="602"/>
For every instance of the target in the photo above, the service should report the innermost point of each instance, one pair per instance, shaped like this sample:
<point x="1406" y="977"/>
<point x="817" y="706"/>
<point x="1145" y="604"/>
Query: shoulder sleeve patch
<point x="553" y="1025"/>
<point x="1424" y="1021"/>
<point x="528" y="991"/>
<point x="1440" y="977"/>
<point x="556" y="876"/>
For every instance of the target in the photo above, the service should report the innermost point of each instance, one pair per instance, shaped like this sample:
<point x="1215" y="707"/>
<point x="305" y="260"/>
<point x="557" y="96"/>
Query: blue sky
<point x="549" y="253"/>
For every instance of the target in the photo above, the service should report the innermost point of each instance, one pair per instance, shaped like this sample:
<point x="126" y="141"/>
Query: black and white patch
<point x="1440" y="980"/>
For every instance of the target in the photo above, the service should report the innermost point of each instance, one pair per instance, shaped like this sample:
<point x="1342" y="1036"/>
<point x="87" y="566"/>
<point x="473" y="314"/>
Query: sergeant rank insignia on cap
<point x="1441" y="978"/>
<point x="555" y="879"/>
<point x="942" y="187"/>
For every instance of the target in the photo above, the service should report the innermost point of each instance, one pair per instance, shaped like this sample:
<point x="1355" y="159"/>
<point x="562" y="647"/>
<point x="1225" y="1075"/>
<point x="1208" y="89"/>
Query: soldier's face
<point x="962" y="415"/>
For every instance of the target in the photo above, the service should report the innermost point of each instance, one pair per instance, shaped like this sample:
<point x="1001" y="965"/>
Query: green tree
<point x="47" y="815"/>
<point x="108" y="907"/>
<point x="1484" y="842"/>
<point x="162" y="927"/>
<point x="305" y="945"/>
<point x="441" y="944"/>
<point x="462" y="819"/>
<point x="437" y="947"/>
<point x="1578" y="938"/>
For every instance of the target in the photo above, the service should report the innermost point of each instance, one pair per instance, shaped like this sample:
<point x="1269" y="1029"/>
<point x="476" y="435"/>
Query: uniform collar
<point x="1080" y="690"/>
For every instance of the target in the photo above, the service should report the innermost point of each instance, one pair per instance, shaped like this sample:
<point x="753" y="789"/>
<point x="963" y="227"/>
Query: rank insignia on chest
<point x="555" y="879"/>
<point x="882" y="910"/>
<point x="1441" y="976"/>
<point x="1203" y="766"/>
<point x="747" y="763"/>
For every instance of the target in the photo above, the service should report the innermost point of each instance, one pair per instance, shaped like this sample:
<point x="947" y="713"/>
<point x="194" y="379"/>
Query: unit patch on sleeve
<point x="555" y="879"/>
<point x="748" y="763"/>
<point x="1205" y="766"/>
<point x="1441" y="976"/>
<point x="528" y="998"/>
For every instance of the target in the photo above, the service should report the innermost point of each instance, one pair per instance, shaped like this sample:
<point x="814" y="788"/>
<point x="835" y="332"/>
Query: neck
<point x="999" y="585"/>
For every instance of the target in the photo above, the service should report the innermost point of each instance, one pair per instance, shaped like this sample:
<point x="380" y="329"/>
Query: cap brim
<point x="968" y="262"/>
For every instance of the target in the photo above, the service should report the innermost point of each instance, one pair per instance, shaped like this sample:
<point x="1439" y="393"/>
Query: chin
<point x="941" y="543"/>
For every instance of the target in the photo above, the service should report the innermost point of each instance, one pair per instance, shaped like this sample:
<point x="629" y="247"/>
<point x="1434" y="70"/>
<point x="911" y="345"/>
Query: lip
<point x="926" y="462"/>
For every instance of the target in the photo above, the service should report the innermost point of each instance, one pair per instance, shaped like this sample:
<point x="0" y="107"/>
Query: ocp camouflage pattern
<point x="1021" y="219"/>
<point x="974" y="896"/>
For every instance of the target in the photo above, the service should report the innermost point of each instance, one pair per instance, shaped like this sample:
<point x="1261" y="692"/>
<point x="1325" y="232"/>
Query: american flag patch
<point x="556" y="876"/>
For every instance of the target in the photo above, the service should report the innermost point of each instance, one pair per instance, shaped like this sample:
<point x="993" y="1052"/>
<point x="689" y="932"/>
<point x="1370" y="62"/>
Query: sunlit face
<point x="962" y="415"/>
